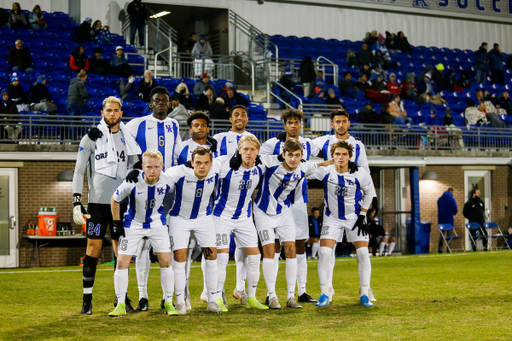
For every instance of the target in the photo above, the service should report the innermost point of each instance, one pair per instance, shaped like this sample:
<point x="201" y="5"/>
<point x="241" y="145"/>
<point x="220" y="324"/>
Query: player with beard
<point x="107" y="160"/>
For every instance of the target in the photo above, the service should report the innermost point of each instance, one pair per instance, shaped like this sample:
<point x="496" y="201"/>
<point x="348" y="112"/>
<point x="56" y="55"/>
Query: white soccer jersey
<point x="227" y="143"/>
<point x="192" y="196"/>
<point x="152" y="133"/>
<point x="279" y="185"/>
<point x="145" y="202"/>
<point x="325" y="142"/>
<point x="183" y="151"/>
<point x="344" y="192"/>
<point x="234" y="194"/>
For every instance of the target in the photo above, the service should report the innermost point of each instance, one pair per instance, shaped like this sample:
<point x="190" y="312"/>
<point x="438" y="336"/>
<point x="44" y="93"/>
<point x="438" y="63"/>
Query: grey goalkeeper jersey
<point x="101" y="187"/>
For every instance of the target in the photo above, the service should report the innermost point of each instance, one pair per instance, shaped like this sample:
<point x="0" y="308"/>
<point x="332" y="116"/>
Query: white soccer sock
<point x="302" y="273"/>
<point x="314" y="250"/>
<point x="212" y="280"/>
<point x="142" y="265"/>
<point x="276" y="264"/>
<point x="222" y="263"/>
<point x="241" y="270"/>
<point x="364" y="268"/>
<point x="121" y="284"/>
<point x="269" y="274"/>
<point x="291" y="276"/>
<point x="253" y="274"/>
<point x="190" y="251"/>
<point x="179" y="281"/>
<point x="203" y="268"/>
<point x="391" y="248"/>
<point x="167" y="281"/>
<point x="324" y="268"/>
<point x="332" y="263"/>
<point x="382" y="247"/>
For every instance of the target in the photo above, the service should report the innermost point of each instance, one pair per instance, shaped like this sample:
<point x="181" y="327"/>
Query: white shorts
<point x="179" y="230"/>
<point x="244" y="230"/>
<point x="300" y="216"/>
<point x="332" y="228"/>
<point x="158" y="237"/>
<point x="269" y="227"/>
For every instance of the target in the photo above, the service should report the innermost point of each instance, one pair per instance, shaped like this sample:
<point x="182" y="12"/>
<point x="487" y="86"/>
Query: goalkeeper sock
<point x="89" y="274"/>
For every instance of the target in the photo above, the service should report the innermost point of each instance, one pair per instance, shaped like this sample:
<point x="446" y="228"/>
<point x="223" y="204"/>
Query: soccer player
<point x="199" y="127"/>
<point x="106" y="160"/>
<point x="274" y="216"/>
<point x="292" y="120"/>
<point x="144" y="219"/>
<point x="192" y="212"/>
<point x="347" y="198"/>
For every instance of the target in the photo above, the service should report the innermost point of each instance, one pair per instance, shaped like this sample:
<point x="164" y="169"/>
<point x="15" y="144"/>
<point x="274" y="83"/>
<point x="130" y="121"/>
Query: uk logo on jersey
<point x="160" y="191"/>
<point x="254" y="171"/>
<point x="210" y="180"/>
<point x="169" y="128"/>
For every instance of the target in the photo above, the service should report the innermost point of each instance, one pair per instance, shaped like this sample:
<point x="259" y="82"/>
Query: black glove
<point x="362" y="228"/>
<point x="375" y="205"/>
<point x="280" y="158"/>
<point x="257" y="161"/>
<point x="77" y="200"/>
<point x="133" y="176"/>
<point x="119" y="228"/>
<point x="236" y="161"/>
<point x="79" y="210"/>
<point x="213" y="143"/>
<point x="188" y="164"/>
<point x="138" y="164"/>
<point x="94" y="133"/>
<point x="282" y="136"/>
<point x="352" y="167"/>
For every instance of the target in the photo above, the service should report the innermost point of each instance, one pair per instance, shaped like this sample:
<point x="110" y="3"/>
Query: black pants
<point x="122" y="70"/>
<point x="498" y="77"/>
<point x="483" y="232"/>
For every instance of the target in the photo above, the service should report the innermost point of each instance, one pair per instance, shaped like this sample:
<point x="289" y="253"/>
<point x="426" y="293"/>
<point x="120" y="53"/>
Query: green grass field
<point x="444" y="297"/>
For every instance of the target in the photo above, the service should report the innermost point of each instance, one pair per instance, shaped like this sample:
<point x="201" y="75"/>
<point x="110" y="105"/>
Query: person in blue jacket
<point x="481" y="64"/>
<point x="446" y="209"/>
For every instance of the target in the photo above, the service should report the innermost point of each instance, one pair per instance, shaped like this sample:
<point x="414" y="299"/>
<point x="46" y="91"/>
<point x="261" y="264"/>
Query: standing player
<point x="292" y="120"/>
<point x="106" y="160"/>
<point x="144" y="219"/>
<point x="347" y="198"/>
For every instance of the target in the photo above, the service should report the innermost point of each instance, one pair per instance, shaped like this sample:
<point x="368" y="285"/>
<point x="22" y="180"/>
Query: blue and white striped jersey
<point x="227" y="143"/>
<point x="145" y="202"/>
<point x="234" y="194"/>
<point x="279" y="185"/>
<point x="192" y="197"/>
<point x="152" y="133"/>
<point x="183" y="151"/>
<point x="325" y="142"/>
<point x="345" y="194"/>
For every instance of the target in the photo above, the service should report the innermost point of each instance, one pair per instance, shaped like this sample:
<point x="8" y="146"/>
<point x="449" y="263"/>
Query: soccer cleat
<point x="162" y="304"/>
<point x="170" y="310"/>
<point x="305" y="298"/>
<point x="291" y="303"/>
<point x="274" y="303"/>
<point x="119" y="310"/>
<point x="365" y="301"/>
<point x="86" y="307"/>
<point x="213" y="307"/>
<point x="128" y="303"/>
<point x="187" y="302"/>
<point x="240" y="295"/>
<point x="143" y="305"/>
<point x="266" y="301"/>
<point x="221" y="305"/>
<point x="181" y="308"/>
<point x="204" y="297"/>
<point x="323" y="300"/>
<point x="252" y="303"/>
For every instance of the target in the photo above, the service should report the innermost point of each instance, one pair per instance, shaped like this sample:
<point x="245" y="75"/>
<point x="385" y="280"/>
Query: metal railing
<point x="283" y="89"/>
<point x="324" y="70"/>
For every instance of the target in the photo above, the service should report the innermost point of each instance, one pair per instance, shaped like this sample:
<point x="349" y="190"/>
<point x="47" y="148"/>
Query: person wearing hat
<point x="98" y="64"/>
<point x="392" y="86"/>
<point x="380" y="45"/>
<point x="137" y="11"/>
<point x="286" y="81"/>
<point x="201" y="85"/>
<point x="179" y="113"/>
<point x="83" y="33"/>
<point x="202" y="48"/>
<point x="78" y="60"/>
<point x="7" y="106"/>
<point x="40" y="97"/>
<point x="332" y="99"/>
<point x="119" y="64"/>
<point x="20" y="58"/>
<point x="427" y="91"/>
<point x="16" y="92"/>
<point x="232" y="98"/>
<point x="377" y="83"/>
<point x="441" y="81"/>
<point x="9" y="131"/>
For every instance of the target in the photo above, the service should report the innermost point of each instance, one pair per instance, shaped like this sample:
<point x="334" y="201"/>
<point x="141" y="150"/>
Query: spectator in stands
<point x="378" y="71"/>
<point x="428" y="69"/>
<point x="473" y="115"/>
<point x="286" y="81"/>
<point x="473" y="211"/>
<point x="178" y="111"/>
<point x="371" y="38"/>
<point x="505" y="103"/>
<point x="362" y="83"/>
<point x="366" y="70"/>
<point x="427" y="92"/>
<point x="138" y="13"/>
<point x="385" y="116"/>
<point x="368" y="115"/>
<point x="17" y="18"/>
<point x="36" y="19"/>
<point x="98" y="64"/>
<point x="347" y="87"/>
<point x="77" y="94"/>
<point x="509" y="62"/>
<point x="331" y="98"/>
<point x="401" y="43"/>
<point x="200" y="87"/>
<point x="484" y="97"/>
<point x="40" y="97"/>
<point x="185" y="96"/>
<point x="433" y="119"/>
<point x="351" y="59"/>
<point x="496" y="60"/>
<point x="381" y="46"/>
<point x="441" y="81"/>
<point x="16" y="92"/>
<point x="124" y="88"/>
<point x="307" y="76"/>
<point x="101" y="34"/>
<point x="378" y="83"/>
<point x="78" y="60"/>
<point x="7" y="106"/>
<point x="218" y="110"/>
<point x="232" y="98"/>
<point x="20" y="58"/>
<point x="492" y="114"/>
<point x="392" y="86"/>
<point x="202" y="48"/>
<point x="408" y="88"/>
<point x="396" y="109"/>
<point x="4" y="19"/>
<point x="319" y="97"/>
<point x="319" y="81"/>
<point x="146" y="84"/>
<point x="464" y="81"/>
<point x="206" y="99"/>
<point x="191" y="42"/>
<point x="83" y="33"/>
<point x="446" y="209"/>
<point x="365" y="56"/>
<point x="448" y="119"/>
<point x="481" y="64"/>
<point x="119" y="64"/>
<point x="452" y="81"/>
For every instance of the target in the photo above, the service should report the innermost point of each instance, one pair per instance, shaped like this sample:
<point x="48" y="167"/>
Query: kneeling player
<point x="144" y="219"/>
<point x="345" y="209"/>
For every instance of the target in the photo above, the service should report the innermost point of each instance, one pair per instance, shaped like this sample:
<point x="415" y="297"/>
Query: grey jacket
<point x="77" y="91"/>
<point x="200" y="87"/>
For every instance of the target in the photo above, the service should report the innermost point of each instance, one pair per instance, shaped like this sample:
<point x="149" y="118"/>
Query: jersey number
<point x="264" y="235"/>
<point x="199" y="192"/>
<point x="150" y="204"/>
<point x="222" y="239"/>
<point x="339" y="191"/>
<point x="121" y="157"/>
<point x="91" y="230"/>
<point x="161" y="140"/>
<point x="245" y="185"/>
